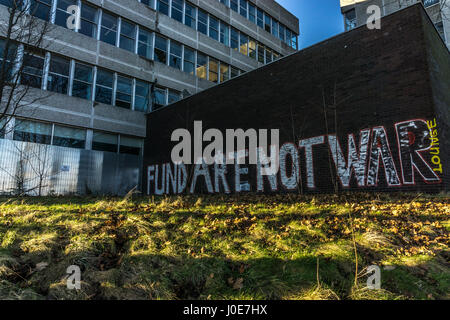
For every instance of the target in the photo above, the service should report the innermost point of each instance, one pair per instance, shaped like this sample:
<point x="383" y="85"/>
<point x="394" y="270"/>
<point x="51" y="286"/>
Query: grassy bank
<point x="247" y="247"/>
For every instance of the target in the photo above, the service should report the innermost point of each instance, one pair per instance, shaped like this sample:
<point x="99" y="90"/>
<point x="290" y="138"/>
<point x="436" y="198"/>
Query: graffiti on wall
<point x="435" y="148"/>
<point x="358" y="165"/>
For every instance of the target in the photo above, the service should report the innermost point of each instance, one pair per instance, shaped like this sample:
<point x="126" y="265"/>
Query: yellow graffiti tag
<point x="435" y="149"/>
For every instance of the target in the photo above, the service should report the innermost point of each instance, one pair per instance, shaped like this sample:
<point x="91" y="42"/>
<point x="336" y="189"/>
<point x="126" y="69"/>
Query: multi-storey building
<point x="355" y="12"/>
<point x="129" y="57"/>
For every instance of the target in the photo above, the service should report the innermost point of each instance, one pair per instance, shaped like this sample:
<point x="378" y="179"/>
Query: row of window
<point x="131" y="37"/>
<point x="48" y="71"/>
<point x="209" y="25"/>
<point x="63" y="136"/>
<point x="254" y="14"/>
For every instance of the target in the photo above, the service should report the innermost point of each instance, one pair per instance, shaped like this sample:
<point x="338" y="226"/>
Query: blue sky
<point x="319" y="19"/>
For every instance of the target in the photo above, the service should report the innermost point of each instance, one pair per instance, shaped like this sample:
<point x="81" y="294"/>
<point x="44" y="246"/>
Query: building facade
<point x="355" y="12"/>
<point x="127" y="58"/>
<point x="377" y="121"/>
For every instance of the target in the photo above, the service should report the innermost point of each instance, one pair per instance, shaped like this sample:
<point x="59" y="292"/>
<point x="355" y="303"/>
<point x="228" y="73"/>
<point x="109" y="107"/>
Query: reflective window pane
<point x="177" y="10"/>
<point x="108" y="32"/>
<point x="160" y="49"/>
<point x="145" y="43"/>
<point x="58" y="75"/>
<point x="82" y="83"/>
<point x="123" y="92"/>
<point x="102" y="141"/>
<point x="130" y="145"/>
<point x="142" y="96"/>
<point x="202" y="22"/>
<point x="175" y="55"/>
<point x="88" y="25"/>
<point x="104" y="86"/>
<point x="31" y="131"/>
<point x="202" y="62"/>
<point x="69" y="137"/>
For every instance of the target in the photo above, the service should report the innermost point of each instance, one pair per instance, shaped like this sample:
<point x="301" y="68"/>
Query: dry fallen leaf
<point x="41" y="266"/>
<point x="238" y="284"/>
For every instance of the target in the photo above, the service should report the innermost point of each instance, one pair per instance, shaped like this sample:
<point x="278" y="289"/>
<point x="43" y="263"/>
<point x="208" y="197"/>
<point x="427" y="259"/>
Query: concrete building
<point x="128" y="58"/>
<point x="355" y="12"/>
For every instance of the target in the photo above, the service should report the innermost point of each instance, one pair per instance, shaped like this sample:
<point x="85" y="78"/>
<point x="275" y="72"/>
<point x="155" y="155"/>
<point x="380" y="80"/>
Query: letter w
<point x="356" y="160"/>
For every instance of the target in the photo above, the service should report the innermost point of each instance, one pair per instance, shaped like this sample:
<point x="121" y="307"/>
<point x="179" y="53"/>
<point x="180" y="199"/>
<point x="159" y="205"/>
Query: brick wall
<point x="365" y="92"/>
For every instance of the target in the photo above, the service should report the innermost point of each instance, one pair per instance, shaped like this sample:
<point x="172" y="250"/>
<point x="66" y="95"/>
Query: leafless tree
<point x="22" y="39"/>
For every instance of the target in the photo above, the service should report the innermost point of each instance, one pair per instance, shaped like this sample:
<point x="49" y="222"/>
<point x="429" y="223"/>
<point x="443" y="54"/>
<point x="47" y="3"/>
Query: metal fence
<point x="38" y="169"/>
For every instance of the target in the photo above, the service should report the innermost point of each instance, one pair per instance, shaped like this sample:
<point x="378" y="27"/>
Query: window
<point x="163" y="6"/>
<point x="243" y="44"/>
<point x="104" y="86"/>
<point x="145" y="43"/>
<point x="243" y="8"/>
<point x="41" y="9"/>
<point x="159" y="96"/>
<point x="141" y="96"/>
<point x="149" y="3"/>
<point x="275" y="28"/>
<point x="288" y="37"/>
<point x="428" y="3"/>
<point x="174" y="96"/>
<point x="130" y="145"/>
<point x="58" y="75"/>
<point x="224" y="72"/>
<point x="202" y="62"/>
<point x="62" y="15"/>
<point x="234" y="5"/>
<point x="104" y="141"/>
<point x="88" y="21"/>
<point x="276" y="56"/>
<point x="189" y="61"/>
<point x="189" y="16"/>
<point x="127" y="35"/>
<point x="259" y="18"/>
<point x="350" y="19"/>
<point x="124" y="92"/>
<point x="202" y="22"/>
<point x="268" y="55"/>
<point x="108" y="31"/>
<point x="261" y="53"/>
<point x="282" y="32"/>
<point x="31" y="131"/>
<point x="252" y="49"/>
<point x="214" y="28"/>
<point x="9" y="67"/>
<point x="224" y="34"/>
<point x="177" y="10"/>
<point x="33" y="65"/>
<point x="294" y="41"/>
<point x="225" y="2"/>
<point x="251" y="13"/>
<point x="175" y="55"/>
<point x="213" y="70"/>
<point x="440" y="28"/>
<point x="82" y="81"/>
<point x="234" y="72"/>
<point x="267" y="23"/>
<point x="69" y="137"/>
<point x="160" y="49"/>
<point x="234" y="39"/>
<point x="3" y="128"/>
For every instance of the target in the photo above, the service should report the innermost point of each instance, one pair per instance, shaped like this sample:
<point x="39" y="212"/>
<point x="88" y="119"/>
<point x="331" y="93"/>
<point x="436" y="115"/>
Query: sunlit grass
<point x="218" y="247"/>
